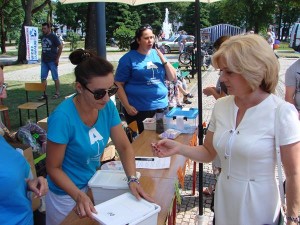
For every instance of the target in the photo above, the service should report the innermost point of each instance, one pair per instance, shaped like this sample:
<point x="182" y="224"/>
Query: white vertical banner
<point x="31" y="34"/>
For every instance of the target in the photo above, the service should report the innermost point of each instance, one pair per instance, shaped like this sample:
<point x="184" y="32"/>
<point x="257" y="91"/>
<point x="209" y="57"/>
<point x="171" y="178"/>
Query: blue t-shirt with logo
<point x="144" y="77"/>
<point x="15" y="204"/>
<point x="84" y="144"/>
<point x="50" y="44"/>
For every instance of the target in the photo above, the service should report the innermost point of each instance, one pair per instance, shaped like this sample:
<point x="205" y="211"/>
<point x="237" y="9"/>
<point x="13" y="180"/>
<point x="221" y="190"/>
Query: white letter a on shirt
<point x="94" y="135"/>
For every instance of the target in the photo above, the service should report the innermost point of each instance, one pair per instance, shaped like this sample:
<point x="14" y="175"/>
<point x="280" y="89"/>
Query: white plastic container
<point x="149" y="124"/>
<point x="127" y="210"/>
<point x="107" y="184"/>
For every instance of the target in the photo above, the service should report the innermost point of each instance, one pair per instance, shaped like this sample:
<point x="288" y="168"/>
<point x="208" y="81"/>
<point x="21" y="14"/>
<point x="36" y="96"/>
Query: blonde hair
<point x="252" y="57"/>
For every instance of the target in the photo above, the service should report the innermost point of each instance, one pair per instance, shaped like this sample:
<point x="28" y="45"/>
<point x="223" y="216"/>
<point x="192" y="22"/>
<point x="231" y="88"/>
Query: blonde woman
<point x="241" y="133"/>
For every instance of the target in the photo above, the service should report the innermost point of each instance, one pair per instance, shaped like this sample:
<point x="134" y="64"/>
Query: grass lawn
<point x="16" y="96"/>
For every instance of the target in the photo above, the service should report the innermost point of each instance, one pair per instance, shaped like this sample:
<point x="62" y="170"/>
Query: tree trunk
<point x="91" y="33"/>
<point x="3" y="33"/>
<point x="29" y="11"/>
<point x="27" y="6"/>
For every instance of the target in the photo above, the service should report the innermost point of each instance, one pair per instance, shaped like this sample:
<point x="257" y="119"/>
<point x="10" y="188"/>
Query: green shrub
<point x="124" y="37"/>
<point x="73" y="38"/>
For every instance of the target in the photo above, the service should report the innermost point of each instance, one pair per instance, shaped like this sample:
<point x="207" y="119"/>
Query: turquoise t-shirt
<point x="144" y="77"/>
<point x="84" y="145"/>
<point x="15" y="205"/>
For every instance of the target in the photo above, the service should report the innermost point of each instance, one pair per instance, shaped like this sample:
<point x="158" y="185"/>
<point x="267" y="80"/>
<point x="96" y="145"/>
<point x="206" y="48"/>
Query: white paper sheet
<point x="152" y="162"/>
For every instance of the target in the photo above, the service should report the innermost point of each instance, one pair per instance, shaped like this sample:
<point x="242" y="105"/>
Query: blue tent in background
<point x="216" y="31"/>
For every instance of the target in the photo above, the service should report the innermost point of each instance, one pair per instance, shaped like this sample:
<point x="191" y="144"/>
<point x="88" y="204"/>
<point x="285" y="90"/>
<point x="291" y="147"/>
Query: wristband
<point x="165" y="63"/>
<point x="293" y="219"/>
<point x="132" y="179"/>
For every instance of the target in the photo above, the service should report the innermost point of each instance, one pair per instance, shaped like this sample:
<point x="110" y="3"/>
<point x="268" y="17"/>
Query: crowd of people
<point x="240" y="135"/>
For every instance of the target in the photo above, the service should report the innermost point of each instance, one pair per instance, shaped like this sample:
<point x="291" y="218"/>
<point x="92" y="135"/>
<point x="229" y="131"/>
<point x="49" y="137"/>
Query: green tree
<point x="72" y="15"/>
<point x="117" y="15"/>
<point x="124" y="37"/>
<point x="150" y="14"/>
<point x="287" y="12"/>
<point x="10" y="20"/>
<point x="188" y="18"/>
<point x="249" y="14"/>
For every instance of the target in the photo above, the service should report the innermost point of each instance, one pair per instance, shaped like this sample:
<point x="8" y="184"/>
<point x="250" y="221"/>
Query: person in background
<point x="242" y="134"/>
<point x="182" y="47"/>
<point x="292" y="84"/>
<point x="273" y="36"/>
<point x="141" y="76"/>
<point x="51" y="51"/>
<point x="3" y="93"/>
<point x="270" y="39"/>
<point x="220" y="89"/>
<point x="17" y="184"/>
<point x="78" y="132"/>
<point x="174" y="90"/>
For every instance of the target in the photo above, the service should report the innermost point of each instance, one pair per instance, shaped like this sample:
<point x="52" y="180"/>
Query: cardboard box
<point x="108" y="154"/>
<point x="126" y="209"/>
<point x="183" y="119"/>
<point x="107" y="184"/>
<point x="29" y="157"/>
<point x="27" y="152"/>
<point x="43" y="123"/>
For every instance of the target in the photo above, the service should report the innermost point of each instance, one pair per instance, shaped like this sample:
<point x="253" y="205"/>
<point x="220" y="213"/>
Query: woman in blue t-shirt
<point x="141" y="76"/>
<point x="78" y="132"/>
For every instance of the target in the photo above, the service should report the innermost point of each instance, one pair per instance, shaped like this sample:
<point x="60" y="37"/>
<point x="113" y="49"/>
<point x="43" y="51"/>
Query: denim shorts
<point x="45" y="67"/>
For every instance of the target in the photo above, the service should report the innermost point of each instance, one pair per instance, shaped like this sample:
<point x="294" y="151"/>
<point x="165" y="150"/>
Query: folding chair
<point x="33" y="105"/>
<point x="132" y="131"/>
<point x="4" y="110"/>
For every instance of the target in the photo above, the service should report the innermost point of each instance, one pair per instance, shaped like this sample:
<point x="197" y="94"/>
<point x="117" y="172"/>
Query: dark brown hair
<point x="138" y="34"/>
<point x="89" y="65"/>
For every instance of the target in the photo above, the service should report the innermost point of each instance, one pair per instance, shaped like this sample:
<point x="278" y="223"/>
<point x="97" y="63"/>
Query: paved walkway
<point x="188" y="210"/>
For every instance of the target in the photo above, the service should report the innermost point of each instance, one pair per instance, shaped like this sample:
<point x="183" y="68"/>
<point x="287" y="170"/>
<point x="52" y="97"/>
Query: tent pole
<point x="101" y="29"/>
<point x="200" y="128"/>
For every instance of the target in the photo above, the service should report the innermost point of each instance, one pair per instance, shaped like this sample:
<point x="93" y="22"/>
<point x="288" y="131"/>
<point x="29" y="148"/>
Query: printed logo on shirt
<point x="153" y="67"/>
<point x="96" y="138"/>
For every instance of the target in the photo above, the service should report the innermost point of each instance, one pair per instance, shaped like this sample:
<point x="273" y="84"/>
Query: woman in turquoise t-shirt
<point x="78" y="131"/>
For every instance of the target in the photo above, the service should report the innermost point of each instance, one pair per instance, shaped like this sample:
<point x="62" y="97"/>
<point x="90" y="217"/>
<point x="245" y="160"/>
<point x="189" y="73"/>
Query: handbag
<point x="282" y="218"/>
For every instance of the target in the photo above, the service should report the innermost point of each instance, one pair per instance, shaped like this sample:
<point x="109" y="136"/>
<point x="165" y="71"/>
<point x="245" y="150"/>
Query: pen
<point x="144" y="159"/>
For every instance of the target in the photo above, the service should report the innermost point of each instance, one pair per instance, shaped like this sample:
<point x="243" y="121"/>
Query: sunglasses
<point x="147" y="26"/>
<point x="100" y="93"/>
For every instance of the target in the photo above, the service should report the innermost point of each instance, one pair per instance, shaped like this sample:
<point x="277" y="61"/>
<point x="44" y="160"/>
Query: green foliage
<point x="151" y="14"/>
<point x="124" y="37"/>
<point x="72" y="15"/>
<point x="117" y="15"/>
<point x="73" y="38"/>
<point x="188" y="18"/>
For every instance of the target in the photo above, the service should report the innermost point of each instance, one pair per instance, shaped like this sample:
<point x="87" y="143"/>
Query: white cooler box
<point x="107" y="184"/>
<point x="127" y="210"/>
